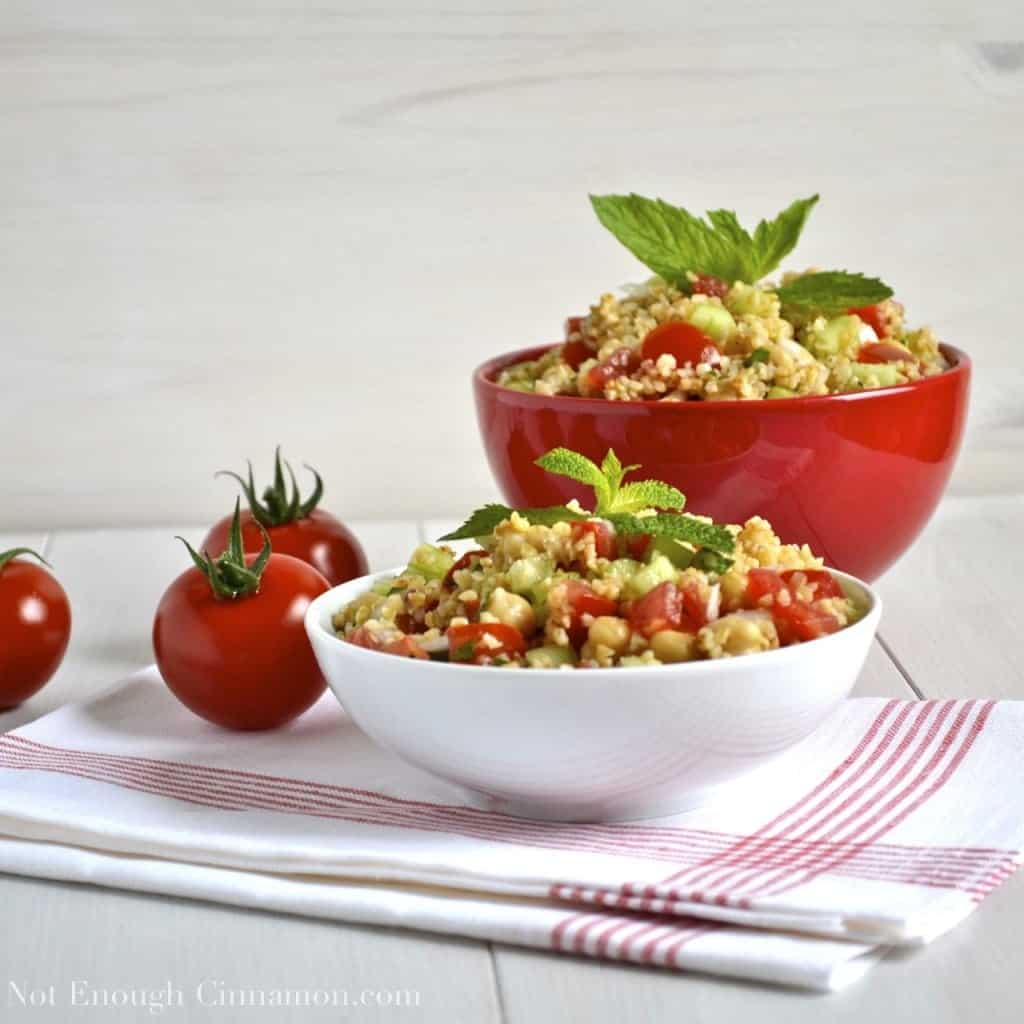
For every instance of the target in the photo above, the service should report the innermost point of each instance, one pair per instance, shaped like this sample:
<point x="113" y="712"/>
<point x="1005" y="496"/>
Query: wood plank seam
<point x="899" y="666"/>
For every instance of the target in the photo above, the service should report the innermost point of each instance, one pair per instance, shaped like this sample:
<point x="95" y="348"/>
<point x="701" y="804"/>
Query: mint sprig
<point x="832" y="291"/>
<point x="610" y="493"/>
<point x="673" y="242"/>
<point x="615" y="501"/>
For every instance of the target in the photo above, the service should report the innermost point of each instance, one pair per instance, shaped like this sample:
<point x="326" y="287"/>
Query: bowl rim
<point x="484" y="374"/>
<point x="720" y="666"/>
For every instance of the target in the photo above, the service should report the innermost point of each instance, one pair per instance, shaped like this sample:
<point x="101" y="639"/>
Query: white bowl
<point x="593" y="744"/>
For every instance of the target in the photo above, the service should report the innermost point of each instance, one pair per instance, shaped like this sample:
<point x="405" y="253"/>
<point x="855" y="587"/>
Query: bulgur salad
<point x="708" y="326"/>
<point x="634" y="582"/>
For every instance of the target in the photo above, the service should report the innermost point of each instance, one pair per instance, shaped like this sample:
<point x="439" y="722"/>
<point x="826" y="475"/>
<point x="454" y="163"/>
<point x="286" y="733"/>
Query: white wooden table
<point x="950" y="629"/>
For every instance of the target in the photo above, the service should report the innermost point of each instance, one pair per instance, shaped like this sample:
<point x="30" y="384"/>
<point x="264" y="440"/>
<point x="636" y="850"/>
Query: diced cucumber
<point x="383" y="587"/>
<point x="430" y="562"/>
<point x="550" y="656"/>
<point x="520" y="385"/>
<point x="525" y="573"/>
<point x="714" y="320"/>
<point x="622" y="568"/>
<point x="779" y="392"/>
<point x="678" y="552"/>
<point x="841" y="334"/>
<point x="658" y="570"/>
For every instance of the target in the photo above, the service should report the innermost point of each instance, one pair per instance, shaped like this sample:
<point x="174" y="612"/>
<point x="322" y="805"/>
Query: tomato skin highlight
<point x="686" y="343"/>
<point x="246" y="663"/>
<point x="320" y="539"/>
<point x="35" y="624"/>
<point x="509" y="641"/>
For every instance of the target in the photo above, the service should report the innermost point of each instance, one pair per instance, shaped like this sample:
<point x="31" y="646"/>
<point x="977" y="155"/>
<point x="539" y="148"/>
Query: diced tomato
<point x="573" y="325"/>
<point x="695" y="604"/>
<point x="683" y="341"/>
<point x="482" y="642"/>
<point x="577" y="352"/>
<point x="462" y="563"/>
<point x="761" y="582"/>
<point x="707" y="284"/>
<point x="823" y="583"/>
<point x="582" y="600"/>
<point x="884" y="352"/>
<point x="622" y="361"/>
<point x="799" y="620"/>
<point x="636" y="545"/>
<point x="794" y="618"/>
<point x="660" y="609"/>
<point x="872" y="316"/>
<point x="403" y="646"/>
<point x="604" y="538"/>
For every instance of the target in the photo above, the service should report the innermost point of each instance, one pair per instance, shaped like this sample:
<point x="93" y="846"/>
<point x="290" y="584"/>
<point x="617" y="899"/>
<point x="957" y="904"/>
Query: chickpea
<point x="670" y="646"/>
<point x="611" y="632"/>
<point x="512" y="610"/>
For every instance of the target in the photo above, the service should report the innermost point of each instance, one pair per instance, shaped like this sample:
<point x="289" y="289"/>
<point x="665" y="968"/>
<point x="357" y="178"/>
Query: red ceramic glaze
<point x="856" y="476"/>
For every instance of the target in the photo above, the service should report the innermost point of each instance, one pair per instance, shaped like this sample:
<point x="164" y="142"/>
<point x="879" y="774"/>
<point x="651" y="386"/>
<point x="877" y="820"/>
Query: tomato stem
<point x="281" y="503"/>
<point x="7" y="556"/>
<point x="228" y="575"/>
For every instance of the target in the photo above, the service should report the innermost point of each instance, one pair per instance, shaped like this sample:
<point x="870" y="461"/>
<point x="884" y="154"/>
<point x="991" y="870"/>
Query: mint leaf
<point x="759" y="355"/>
<point x="774" y="239"/>
<point x="563" y="462"/>
<point x="672" y="241"/>
<point x="833" y="291"/>
<point x="648" y="494"/>
<point x="484" y="521"/>
<point x="679" y="527"/>
<point x="481" y="523"/>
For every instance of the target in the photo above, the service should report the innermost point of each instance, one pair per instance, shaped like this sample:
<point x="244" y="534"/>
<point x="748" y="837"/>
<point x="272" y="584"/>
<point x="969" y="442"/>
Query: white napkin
<point x="888" y="826"/>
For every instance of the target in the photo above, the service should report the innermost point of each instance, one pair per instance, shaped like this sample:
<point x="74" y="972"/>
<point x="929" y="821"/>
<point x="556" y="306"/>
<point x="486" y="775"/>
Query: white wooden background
<point x="224" y="225"/>
<point x="231" y="224"/>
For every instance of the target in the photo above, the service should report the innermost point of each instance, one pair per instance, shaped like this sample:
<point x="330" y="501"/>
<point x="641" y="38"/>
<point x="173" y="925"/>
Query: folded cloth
<point x="886" y="827"/>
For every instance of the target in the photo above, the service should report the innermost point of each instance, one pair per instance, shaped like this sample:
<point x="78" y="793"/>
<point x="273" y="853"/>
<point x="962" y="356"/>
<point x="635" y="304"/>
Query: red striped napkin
<point x="888" y="826"/>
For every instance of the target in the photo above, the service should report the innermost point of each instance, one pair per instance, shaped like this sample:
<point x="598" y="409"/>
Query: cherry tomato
<point x="35" y="625"/>
<point x="296" y="527"/>
<point x="577" y="352"/>
<point x="884" y="352"/>
<point x="685" y="342"/>
<point x="403" y="646"/>
<point x="242" y="662"/>
<point x="482" y="642"/>
<point x="604" y="537"/>
<point x="622" y="361"/>
<point x="660" y="609"/>
<point x="706" y="284"/>
<point x="873" y="317"/>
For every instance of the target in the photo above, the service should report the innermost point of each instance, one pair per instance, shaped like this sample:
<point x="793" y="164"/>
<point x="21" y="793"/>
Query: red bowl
<point x="856" y="476"/>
